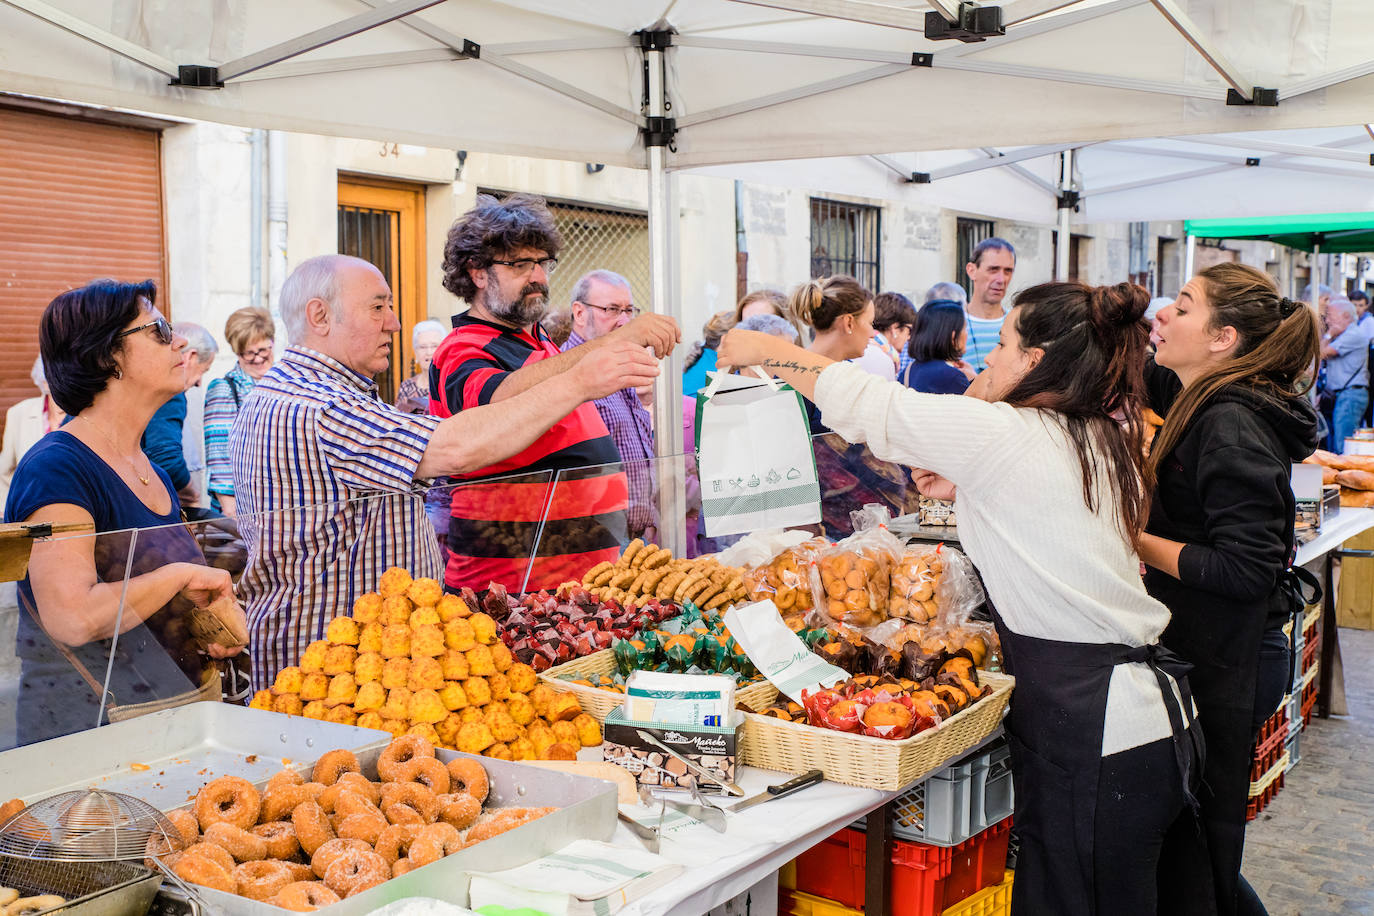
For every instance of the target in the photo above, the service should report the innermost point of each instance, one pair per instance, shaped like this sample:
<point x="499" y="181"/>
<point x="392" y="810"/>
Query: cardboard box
<point x="711" y="747"/>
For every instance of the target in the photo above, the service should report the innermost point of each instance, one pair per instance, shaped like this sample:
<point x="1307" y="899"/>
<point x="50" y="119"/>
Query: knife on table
<point x="803" y="781"/>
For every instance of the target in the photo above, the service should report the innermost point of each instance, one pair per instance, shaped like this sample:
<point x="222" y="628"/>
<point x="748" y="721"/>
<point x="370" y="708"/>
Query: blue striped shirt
<point x="324" y="473"/>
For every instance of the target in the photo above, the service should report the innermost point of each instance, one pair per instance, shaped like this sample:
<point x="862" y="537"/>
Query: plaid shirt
<point x="310" y="442"/>
<point x="632" y="430"/>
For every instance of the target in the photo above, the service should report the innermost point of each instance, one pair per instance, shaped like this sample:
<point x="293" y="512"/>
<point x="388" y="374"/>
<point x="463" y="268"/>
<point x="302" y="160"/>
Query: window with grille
<point x="845" y="239"/>
<point x="969" y="233"/>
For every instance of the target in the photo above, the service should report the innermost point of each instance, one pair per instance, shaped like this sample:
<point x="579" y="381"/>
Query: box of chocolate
<point x="711" y="747"/>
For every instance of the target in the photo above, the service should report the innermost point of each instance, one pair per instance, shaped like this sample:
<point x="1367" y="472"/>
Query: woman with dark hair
<point x="1052" y="494"/>
<point x="937" y="350"/>
<point x="111" y="361"/>
<point x="1228" y="377"/>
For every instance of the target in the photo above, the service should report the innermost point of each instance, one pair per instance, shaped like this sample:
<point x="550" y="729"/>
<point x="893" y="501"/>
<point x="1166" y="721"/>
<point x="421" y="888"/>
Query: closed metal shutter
<point x="78" y="200"/>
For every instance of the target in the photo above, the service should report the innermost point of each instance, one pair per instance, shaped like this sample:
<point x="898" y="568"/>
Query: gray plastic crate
<point x="1294" y="746"/>
<point x="956" y="803"/>
<point x="1298" y="645"/>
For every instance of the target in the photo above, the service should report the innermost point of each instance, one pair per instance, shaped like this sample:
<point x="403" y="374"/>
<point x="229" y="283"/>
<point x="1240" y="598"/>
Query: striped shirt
<point x="568" y="502"/>
<point x="312" y="447"/>
<point x="222" y="400"/>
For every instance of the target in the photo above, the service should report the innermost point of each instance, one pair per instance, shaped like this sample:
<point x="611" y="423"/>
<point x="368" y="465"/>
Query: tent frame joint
<point x="922" y="59"/>
<point x="920" y="178"/>
<point x="655" y="39"/>
<point x="1068" y="200"/>
<point x="975" y="23"/>
<point x="197" y="76"/>
<point x="1264" y="98"/>
<point x="659" y="131"/>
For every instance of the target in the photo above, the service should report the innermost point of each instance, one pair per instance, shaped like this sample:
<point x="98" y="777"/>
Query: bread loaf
<point x="1329" y="475"/>
<point x="1356" y="499"/>
<point x="1356" y="480"/>
<point x="1324" y="458"/>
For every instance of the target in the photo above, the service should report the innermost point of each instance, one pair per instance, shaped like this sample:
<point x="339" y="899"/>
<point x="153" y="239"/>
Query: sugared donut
<point x="328" y="852"/>
<point x="184" y="821"/>
<point x="365" y="827"/>
<point x="459" y="809"/>
<point x="401" y="867"/>
<point x="280" y="802"/>
<point x="401" y="750"/>
<point x="301" y="871"/>
<point x="10" y="808"/>
<point x="426" y="771"/>
<point x="425" y="848"/>
<point x="217" y="855"/>
<point x="394" y="843"/>
<point x="353" y="803"/>
<point x="353" y="866"/>
<point x="200" y="870"/>
<point x="283" y="778"/>
<point x="280" y="837"/>
<point x="409" y="803"/>
<point x="261" y="880"/>
<point x="239" y="843"/>
<point x="312" y="826"/>
<point x="305" y="896"/>
<point x="468" y="776"/>
<point x="334" y="764"/>
<point x="368" y="884"/>
<point x="228" y="800"/>
<point x="23" y="906"/>
<point x="354" y="782"/>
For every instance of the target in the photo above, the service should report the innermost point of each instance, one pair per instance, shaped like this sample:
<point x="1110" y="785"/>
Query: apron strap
<point x="1164" y="664"/>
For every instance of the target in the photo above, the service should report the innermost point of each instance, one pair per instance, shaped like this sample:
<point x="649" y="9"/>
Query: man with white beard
<point x="498" y="257"/>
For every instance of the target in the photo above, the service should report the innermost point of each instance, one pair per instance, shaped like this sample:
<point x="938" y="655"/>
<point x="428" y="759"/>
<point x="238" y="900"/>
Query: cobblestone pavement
<point x="1311" y="852"/>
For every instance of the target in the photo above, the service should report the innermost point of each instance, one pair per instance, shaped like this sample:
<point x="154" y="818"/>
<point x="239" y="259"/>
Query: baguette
<point x="1324" y="458"/>
<point x="1356" y="499"/>
<point x="1356" y="480"/>
<point x="1329" y="475"/>
<point x="1354" y="463"/>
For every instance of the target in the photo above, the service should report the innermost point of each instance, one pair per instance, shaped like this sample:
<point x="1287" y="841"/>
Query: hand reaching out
<point x="929" y="483"/>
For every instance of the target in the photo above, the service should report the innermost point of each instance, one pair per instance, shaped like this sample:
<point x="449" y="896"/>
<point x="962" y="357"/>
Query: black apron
<point x="1055" y="727"/>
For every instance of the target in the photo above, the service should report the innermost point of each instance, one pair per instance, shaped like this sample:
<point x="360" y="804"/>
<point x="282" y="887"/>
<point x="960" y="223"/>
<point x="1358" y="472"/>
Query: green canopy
<point x="1334" y="232"/>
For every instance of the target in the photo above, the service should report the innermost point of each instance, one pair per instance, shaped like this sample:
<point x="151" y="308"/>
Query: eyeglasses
<point x="160" y="327"/>
<point x="631" y="312"/>
<point x="525" y="265"/>
<point x="258" y="355"/>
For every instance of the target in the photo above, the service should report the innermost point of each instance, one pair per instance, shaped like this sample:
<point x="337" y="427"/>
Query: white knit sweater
<point x="1054" y="569"/>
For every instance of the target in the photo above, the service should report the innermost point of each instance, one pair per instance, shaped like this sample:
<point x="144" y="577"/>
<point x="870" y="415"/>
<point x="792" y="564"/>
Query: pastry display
<point x="436" y="672"/>
<point x="646" y="571"/>
<point x="786" y="579"/>
<point x="915" y="578"/>
<point x="855" y="585"/>
<point x="305" y="845"/>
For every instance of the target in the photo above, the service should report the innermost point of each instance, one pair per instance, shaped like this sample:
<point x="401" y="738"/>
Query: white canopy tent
<point x="684" y="83"/>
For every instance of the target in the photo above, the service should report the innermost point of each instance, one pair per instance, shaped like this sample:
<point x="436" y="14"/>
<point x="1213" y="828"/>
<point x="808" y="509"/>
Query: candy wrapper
<point x="855" y="575"/>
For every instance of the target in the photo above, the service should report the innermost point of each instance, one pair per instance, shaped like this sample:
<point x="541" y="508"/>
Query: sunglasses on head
<point x="161" y="329"/>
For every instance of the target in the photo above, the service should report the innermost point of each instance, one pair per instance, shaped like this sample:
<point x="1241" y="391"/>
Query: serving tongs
<point x="649" y="836"/>
<point x="692" y="766"/>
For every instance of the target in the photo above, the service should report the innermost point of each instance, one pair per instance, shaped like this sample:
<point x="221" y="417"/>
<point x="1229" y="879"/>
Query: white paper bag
<point x="754" y="457"/>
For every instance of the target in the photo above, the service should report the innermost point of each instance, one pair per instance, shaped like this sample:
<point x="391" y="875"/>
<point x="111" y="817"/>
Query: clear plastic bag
<point x="787" y="579"/>
<point x="852" y="581"/>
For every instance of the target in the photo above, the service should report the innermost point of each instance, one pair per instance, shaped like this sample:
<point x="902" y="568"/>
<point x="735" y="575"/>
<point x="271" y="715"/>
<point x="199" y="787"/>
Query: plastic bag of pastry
<point x="786" y="578"/>
<point x="852" y="580"/>
<point x="959" y="592"/>
<point x="916" y="580"/>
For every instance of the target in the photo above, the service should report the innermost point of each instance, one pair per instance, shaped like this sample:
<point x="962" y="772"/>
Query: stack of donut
<point x="305" y="845"/>
<point x="413" y="660"/>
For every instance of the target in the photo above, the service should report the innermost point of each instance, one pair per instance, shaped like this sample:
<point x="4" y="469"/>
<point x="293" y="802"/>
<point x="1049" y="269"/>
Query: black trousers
<point x="1139" y="795"/>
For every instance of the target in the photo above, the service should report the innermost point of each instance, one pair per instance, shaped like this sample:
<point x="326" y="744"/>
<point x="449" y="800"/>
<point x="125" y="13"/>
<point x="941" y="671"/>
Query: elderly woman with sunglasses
<point x="250" y="333"/>
<point x="111" y="360"/>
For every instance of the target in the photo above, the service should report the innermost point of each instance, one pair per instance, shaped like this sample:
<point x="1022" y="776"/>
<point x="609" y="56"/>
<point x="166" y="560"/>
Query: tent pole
<point x="671" y="474"/>
<point x="1189" y="256"/>
<point x="1061" y="251"/>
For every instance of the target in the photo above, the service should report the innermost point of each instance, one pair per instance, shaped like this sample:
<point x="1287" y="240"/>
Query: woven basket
<point x="599" y="703"/>
<point x="873" y="763"/>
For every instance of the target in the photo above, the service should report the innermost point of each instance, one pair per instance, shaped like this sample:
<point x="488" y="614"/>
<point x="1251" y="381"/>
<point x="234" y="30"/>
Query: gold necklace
<point x="141" y="479"/>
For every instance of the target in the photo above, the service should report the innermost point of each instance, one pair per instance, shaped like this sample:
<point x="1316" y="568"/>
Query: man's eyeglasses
<point x="525" y="265"/>
<point x="258" y="355"/>
<point x="160" y="327"/>
<point x="631" y="312"/>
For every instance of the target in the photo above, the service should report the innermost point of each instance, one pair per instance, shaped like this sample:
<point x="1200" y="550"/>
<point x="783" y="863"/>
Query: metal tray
<point x="587" y="810"/>
<point x="91" y="888"/>
<point x="182" y="750"/>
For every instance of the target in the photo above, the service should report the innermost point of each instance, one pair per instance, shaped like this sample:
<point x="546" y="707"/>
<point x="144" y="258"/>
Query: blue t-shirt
<point x="935" y="377"/>
<point x="694" y="379"/>
<point x="154" y="660"/>
<point x="983" y="334"/>
<point x="162" y="440"/>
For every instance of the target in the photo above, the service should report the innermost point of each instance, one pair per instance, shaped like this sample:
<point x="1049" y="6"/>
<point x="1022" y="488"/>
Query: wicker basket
<point x="873" y="763"/>
<point x="600" y="702"/>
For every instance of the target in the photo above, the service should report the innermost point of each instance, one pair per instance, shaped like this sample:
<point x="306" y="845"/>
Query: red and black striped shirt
<point x="570" y="476"/>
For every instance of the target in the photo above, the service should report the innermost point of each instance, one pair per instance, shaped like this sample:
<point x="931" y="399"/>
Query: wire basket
<point x="89" y="826"/>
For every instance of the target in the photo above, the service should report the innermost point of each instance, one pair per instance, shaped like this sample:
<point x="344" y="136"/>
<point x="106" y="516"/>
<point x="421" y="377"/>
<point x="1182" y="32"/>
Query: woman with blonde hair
<point x="1228" y="377"/>
<point x="840" y="312"/>
<point x="250" y="333"/>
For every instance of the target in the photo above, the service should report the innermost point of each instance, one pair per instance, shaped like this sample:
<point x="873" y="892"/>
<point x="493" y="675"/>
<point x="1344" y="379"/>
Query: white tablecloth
<point x="1347" y="524"/>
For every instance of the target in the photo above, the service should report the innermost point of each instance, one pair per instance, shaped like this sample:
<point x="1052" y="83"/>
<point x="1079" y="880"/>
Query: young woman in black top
<point x="937" y="348"/>
<point x="1231" y="366"/>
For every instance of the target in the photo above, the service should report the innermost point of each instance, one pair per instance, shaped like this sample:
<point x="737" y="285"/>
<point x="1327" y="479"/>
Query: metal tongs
<point x="649" y="836"/>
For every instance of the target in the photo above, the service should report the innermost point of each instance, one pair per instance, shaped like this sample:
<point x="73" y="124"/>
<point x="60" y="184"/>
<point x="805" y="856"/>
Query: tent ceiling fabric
<point x="563" y="79"/>
<point x="1334" y="232"/>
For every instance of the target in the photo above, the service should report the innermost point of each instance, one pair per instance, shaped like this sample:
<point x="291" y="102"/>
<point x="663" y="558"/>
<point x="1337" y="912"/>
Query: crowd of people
<point x="521" y="453"/>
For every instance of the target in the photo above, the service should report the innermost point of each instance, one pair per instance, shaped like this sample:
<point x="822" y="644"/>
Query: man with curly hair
<point x="568" y="503"/>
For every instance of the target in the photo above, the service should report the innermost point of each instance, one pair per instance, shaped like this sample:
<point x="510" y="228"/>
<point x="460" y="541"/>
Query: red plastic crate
<point x="1309" y="699"/>
<point x="978" y="862"/>
<point x="1263" y="763"/>
<point x="1273" y="733"/>
<point x="1309" y="654"/>
<point x="1259" y="802"/>
<point x="924" y="880"/>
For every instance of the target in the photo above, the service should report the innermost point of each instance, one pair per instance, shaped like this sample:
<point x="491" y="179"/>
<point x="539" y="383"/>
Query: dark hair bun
<point x="1117" y="306"/>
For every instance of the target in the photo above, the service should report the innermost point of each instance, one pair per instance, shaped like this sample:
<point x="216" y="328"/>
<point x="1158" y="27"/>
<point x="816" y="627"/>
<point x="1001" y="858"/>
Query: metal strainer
<point x="68" y="843"/>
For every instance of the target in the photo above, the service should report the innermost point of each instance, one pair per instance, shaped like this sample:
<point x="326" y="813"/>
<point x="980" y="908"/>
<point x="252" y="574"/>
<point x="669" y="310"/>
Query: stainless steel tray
<point x="182" y="749"/>
<point x="91" y="888"/>
<point x="587" y="810"/>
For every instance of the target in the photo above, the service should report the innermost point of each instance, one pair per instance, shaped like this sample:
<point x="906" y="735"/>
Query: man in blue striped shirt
<point x="330" y="479"/>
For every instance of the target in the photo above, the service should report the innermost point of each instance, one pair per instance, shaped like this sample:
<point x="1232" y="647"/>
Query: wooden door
<point x="383" y="222"/>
